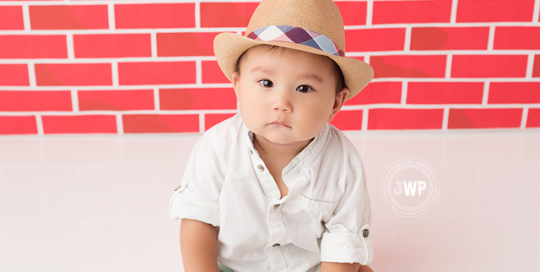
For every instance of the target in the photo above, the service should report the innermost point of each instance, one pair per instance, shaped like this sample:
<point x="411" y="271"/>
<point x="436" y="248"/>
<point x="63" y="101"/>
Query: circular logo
<point x="410" y="187"/>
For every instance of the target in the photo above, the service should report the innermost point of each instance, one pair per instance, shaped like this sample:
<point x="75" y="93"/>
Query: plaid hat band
<point x="298" y="35"/>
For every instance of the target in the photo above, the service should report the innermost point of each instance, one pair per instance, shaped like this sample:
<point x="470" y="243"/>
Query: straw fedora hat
<point x="313" y="26"/>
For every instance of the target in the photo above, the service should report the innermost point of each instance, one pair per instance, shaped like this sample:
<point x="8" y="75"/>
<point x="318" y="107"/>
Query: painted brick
<point x="211" y="120"/>
<point x="378" y="92"/>
<point x="197" y="99"/>
<point x="494" y="11"/>
<point x="445" y="92"/>
<point x="226" y="14"/>
<point x="533" y="118"/>
<point x="353" y="13"/>
<point x="35" y="101"/>
<point x="348" y="120"/>
<point x="405" y="119"/>
<point x="14" y="75"/>
<point x="33" y="46"/>
<point x="517" y="38"/>
<point x="150" y="73"/>
<point x="83" y="74"/>
<point x="484" y="118"/>
<point x="396" y="12"/>
<point x="153" y="123"/>
<point x="471" y="66"/>
<point x="18" y="125"/>
<point x="449" y="38"/>
<point x="514" y="92"/>
<point x="185" y="44"/>
<point x="375" y="39"/>
<point x="154" y="15"/>
<point x="11" y="18"/>
<point x="536" y="66"/>
<point x="211" y="73"/>
<point x="69" y="17"/>
<point x="408" y="66"/>
<point x="112" y="46"/>
<point x="116" y="100"/>
<point x="79" y="124"/>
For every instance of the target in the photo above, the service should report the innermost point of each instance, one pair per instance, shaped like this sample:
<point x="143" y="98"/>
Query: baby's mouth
<point x="280" y="123"/>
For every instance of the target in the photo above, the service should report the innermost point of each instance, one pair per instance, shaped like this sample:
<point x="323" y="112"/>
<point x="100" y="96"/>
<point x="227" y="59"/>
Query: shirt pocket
<point x="319" y="210"/>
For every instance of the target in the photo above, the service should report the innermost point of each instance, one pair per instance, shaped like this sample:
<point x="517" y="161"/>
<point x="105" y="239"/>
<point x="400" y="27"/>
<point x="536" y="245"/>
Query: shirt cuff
<point x="347" y="247"/>
<point x="185" y="204"/>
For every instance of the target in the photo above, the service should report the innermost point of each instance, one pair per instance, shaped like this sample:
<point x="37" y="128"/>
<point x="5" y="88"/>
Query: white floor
<point x="99" y="203"/>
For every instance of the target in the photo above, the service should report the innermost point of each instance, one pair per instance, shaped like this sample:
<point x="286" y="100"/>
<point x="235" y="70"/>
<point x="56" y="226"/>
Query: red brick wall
<point x="145" y="67"/>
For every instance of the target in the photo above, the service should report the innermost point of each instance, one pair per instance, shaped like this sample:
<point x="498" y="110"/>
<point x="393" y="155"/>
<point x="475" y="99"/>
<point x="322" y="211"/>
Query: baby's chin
<point x="284" y="140"/>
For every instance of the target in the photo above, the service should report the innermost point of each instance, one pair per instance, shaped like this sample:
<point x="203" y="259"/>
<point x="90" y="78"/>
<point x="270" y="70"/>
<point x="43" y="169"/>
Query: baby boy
<point x="276" y="187"/>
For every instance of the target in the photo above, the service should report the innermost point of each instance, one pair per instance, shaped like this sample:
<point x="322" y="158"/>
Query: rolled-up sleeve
<point x="347" y="238"/>
<point x="197" y="196"/>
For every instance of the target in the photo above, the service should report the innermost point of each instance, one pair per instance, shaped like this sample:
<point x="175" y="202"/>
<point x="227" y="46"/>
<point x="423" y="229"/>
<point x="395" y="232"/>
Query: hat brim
<point x="229" y="46"/>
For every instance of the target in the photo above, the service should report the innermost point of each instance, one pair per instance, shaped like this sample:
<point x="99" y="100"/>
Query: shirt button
<point x="276" y="245"/>
<point x="365" y="233"/>
<point x="261" y="168"/>
<point x="275" y="207"/>
<point x="251" y="151"/>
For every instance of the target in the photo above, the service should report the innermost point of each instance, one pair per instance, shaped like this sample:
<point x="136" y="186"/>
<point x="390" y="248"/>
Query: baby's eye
<point x="266" y="83"/>
<point x="304" y="88"/>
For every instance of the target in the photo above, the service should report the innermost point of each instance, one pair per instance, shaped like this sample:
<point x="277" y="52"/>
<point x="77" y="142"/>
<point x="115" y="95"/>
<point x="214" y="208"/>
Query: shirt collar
<point x="303" y="160"/>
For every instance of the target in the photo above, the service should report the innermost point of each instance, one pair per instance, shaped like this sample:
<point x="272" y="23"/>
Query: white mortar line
<point x="446" y="113"/>
<point x="491" y="38"/>
<point x="114" y="71"/>
<point x="536" y="11"/>
<point x="197" y="14"/>
<point x="156" y="99"/>
<point x="453" y="14"/>
<point x="408" y="31"/>
<point x="153" y="44"/>
<point x="39" y="124"/>
<point x="201" y="123"/>
<point x="349" y="54"/>
<point x="366" y="59"/>
<point x="119" y="124"/>
<point x="198" y="72"/>
<point x="110" y="9"/>
<point x="369" y="13"/>
<point x="126" y="31"/>
<point x="105" y="60"/>
<point x="26" y="17"/>
<point x="524" y="116"/>
<point x="74" y="100"/>
<point x="32" y="75"/>
<point x="485" y="93"/>
<point x="175" y="112"/>
<point x="365" y="115"/>
<point x="404" y="88"/>
<point x="530" y="66"/>
<point x="448" y="71"/>
<point x="70" y="46"/>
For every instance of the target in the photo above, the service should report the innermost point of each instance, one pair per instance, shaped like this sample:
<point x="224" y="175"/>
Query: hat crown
<point x="321" y="16"/>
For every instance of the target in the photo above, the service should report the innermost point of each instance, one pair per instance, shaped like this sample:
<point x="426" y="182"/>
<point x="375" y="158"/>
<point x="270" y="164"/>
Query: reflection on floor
<point x="99" y="203"/>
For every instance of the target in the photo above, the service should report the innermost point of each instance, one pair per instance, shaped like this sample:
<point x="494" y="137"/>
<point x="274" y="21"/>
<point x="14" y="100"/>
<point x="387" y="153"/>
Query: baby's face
<point x="286" y="96"/>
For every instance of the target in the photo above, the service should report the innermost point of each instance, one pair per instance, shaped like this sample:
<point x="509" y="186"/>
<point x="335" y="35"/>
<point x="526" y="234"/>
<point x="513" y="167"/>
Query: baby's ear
<point x="235" y="80"/>
<point x="339" y="101"/>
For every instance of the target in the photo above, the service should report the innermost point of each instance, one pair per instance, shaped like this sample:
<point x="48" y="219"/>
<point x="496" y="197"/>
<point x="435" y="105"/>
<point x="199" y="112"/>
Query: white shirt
<point x="326" y="215"/>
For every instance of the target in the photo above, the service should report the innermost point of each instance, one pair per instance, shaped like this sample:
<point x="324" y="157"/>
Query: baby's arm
<point x="344" y="267"/>
<point x="198" y="242"/>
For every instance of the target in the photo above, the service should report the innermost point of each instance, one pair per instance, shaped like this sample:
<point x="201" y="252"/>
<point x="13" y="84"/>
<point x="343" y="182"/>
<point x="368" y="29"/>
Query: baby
<point x="276" y="187"/>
